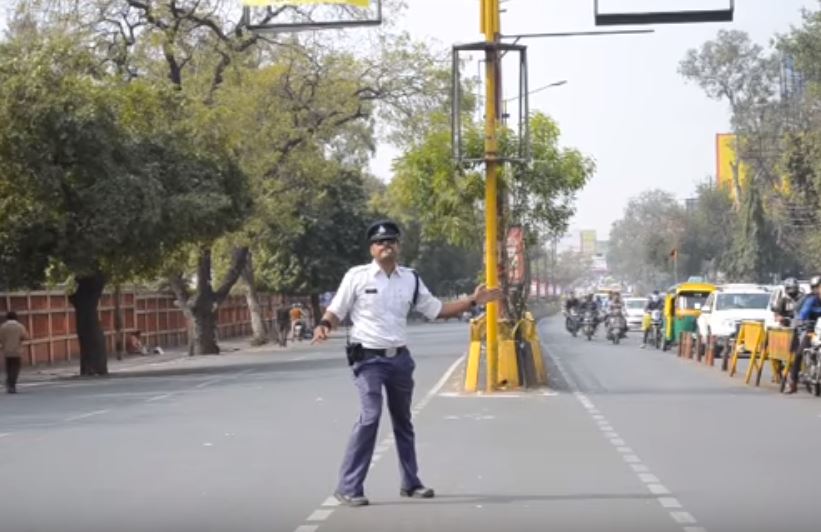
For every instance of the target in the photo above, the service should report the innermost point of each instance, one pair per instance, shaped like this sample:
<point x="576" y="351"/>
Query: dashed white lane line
<point x="327" y="508"/>
<point x="651" y="481"/>
<point x="319" y="515"/>
<point x="669" y="502"/>
<point x="87" y="415"/>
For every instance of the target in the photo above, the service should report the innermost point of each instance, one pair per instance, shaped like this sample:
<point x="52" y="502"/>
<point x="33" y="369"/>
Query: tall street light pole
<point x="491" y="27"/>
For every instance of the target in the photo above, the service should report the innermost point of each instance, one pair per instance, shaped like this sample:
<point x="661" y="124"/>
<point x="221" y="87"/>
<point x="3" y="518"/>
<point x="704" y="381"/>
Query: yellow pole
<point x="491" y="29"/>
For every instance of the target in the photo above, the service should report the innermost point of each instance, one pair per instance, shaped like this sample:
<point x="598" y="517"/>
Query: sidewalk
<point x="233" y="350"/>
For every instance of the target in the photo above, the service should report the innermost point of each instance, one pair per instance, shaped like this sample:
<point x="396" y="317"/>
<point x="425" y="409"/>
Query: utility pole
<point x="491" y="27"/>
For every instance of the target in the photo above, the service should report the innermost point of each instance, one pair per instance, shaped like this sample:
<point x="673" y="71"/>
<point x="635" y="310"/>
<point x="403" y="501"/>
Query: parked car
<point x="634" y="311"/>
<point x="728" y="306"/>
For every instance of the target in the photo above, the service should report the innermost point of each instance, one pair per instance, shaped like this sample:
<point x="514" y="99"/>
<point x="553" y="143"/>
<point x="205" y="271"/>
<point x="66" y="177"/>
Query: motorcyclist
<point x="571" y="312"/>
<point x="572" y="302"/>
<point x="616" y="309"/>
<point x="590" y="304"/>
<point x="808" y="313"/>
<point x="787" y="305"/>
<point x="654" y="302"/>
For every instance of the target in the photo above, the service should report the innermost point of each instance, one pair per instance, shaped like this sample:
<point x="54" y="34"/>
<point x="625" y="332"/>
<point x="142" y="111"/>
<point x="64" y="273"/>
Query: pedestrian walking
<point x="12" y="336"/>
<point x="379" y="296"/>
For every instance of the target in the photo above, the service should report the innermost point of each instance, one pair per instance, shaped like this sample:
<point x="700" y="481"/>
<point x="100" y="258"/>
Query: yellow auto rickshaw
<point x="682" y="307"/>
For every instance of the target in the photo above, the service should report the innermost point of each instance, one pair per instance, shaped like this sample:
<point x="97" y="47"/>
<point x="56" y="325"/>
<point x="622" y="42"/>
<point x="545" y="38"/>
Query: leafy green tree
<point x="82" y="194"/>
<point x="642" y="240"/>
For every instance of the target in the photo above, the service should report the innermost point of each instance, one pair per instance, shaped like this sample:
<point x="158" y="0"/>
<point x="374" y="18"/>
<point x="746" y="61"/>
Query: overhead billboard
<point x="727" y="161"/>
<point x="588" y="242"/>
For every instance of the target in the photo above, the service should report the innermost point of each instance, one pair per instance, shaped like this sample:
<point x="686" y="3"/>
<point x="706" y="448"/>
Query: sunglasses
<point x="387" y="242"/>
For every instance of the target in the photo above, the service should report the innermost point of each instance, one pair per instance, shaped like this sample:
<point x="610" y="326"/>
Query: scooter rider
<point x="655" y="302"/>
<point x="615" y="310"/>
<point x="806" y="317"/>
<point x="571" y="303"/>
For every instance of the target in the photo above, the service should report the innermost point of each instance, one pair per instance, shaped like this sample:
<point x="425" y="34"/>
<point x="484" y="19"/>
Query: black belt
<point x="387" y="353"/>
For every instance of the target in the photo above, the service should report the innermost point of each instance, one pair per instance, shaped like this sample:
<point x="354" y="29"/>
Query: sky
<point x="624" y="104"/>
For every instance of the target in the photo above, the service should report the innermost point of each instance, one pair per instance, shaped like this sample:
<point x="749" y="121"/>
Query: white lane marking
<point x="306" y="528"/>
<point x="658" y="489"/>
<point x="331" y="501"/>
<point x="669" y="502"/>
<point x="297" y="359"/>
<point x="88" y="414"/>
<point x="683" y="518"/>
<point x="652" y="481"/>
<point x="158" y="398"/>
<point x="319" y="515"/>
<point x="4" y="434"/>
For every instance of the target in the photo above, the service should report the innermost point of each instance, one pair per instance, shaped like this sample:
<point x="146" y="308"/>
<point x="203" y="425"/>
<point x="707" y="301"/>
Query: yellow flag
<point x="357" y="3"/>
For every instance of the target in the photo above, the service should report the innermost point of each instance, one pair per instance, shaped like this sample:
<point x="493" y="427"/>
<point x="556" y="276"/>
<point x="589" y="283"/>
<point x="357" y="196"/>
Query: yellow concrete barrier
<point x="531" y="334"/>
<point x="750" y="341"/>
<point x="778" y="350"/>
<point x="477" y="334"/>
<point x="508" y="362"/>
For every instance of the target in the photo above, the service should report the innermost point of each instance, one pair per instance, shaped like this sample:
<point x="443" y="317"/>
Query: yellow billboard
<point x="727" y="161"/>
<point x="357" y="3"/>
<point x="588" y="242"/>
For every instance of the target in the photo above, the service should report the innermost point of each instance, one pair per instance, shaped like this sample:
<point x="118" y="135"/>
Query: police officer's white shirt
<point x="379" y="304"/>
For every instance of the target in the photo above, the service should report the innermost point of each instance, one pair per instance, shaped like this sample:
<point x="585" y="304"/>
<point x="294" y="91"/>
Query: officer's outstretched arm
<point x="480" y="296"/>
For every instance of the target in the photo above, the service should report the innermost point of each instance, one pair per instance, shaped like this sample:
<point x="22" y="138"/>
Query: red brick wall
<point x="49" y="317"/>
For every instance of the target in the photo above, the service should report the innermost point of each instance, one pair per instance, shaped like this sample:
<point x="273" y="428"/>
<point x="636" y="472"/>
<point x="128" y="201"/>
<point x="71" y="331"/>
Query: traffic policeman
<point x="379" y="296"/>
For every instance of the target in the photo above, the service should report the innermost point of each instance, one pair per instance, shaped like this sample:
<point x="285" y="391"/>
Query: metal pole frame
<point x="523" y="153"/>
<point x="293" y="27"/>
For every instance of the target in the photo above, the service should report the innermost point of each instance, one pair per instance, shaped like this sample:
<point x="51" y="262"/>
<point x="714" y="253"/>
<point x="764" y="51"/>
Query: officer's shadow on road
<point x="493" y="499"/>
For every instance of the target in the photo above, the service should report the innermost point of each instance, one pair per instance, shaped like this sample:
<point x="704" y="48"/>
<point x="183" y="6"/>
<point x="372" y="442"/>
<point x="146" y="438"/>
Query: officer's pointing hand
<point x="320" y="334"/>
<point x="482" y="295"/>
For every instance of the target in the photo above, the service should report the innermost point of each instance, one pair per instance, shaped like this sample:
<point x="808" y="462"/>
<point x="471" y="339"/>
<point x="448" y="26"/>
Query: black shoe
<point x="419" y="492"/>
<point x="352" y="500"/>
<point x="12" y="389"/>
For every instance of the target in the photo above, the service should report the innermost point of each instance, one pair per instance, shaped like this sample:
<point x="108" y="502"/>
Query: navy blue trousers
<point x="396" y="376"/>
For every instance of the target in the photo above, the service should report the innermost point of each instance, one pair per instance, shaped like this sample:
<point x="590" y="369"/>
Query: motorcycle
<point x="810" y="374"/>
<point x="301" y="331"/>
<point x="589" y="324"/>
<point x="616" y="327"/>
<point x="571" y="322"/>
<point x="655" y="328"/>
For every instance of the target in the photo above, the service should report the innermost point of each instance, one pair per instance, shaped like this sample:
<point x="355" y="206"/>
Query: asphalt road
<point x="624" y="440"/>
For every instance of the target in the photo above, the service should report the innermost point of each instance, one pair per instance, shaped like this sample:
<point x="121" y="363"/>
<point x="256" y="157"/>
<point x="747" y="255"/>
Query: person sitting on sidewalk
<point x="12" y="336"/>
<point x="134" y="344"/>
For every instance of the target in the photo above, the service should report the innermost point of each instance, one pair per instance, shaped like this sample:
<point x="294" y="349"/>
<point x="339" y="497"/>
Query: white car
<point x="728" y="306"/>
<point x="634" y="310"/>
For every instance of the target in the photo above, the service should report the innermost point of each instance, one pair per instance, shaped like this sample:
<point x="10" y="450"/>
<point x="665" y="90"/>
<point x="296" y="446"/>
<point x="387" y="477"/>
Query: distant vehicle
<point x="728" y="306"/>
<point x="634" y="311"/>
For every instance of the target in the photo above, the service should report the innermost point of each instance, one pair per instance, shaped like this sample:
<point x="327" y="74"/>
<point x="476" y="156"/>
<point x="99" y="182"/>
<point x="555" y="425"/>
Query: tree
<point x="751" y="256"/>
<point x="642" y="241"/>
<point x="83" y="193"/>
<point x="734" y="68"/>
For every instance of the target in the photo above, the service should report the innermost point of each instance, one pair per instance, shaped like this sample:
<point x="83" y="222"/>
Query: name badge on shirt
<point x="370" y="290"/>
